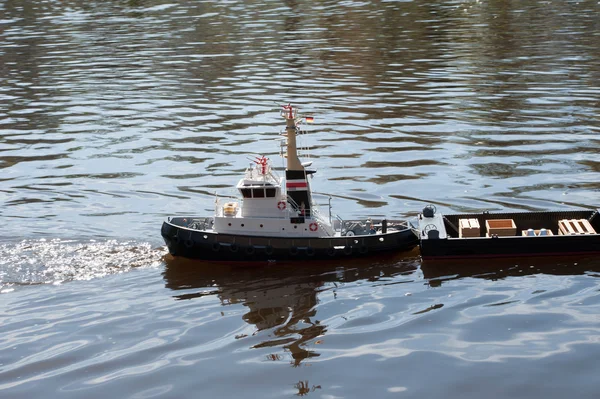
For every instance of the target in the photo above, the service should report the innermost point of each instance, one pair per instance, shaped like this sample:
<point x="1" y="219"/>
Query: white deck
<point x="261" y="226"/>
<point x="433" y="223"/>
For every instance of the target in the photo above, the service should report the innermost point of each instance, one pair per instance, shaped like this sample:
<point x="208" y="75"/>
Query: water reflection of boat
<point x="438" y="271"/>
<point x="276" y="219"/>
<point x="282" y="298"/>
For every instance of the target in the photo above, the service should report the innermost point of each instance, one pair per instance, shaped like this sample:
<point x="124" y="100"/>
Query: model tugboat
<point x="276" y="219"/>
<point x="485" y="234"/>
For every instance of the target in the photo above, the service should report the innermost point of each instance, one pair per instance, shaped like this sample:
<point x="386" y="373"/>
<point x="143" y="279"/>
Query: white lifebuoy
<point x="281" y="205"/>
<point x="313" y="226"/>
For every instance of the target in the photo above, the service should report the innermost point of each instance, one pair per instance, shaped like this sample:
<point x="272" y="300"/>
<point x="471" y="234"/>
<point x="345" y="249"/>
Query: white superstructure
<point x="265" y="208"/>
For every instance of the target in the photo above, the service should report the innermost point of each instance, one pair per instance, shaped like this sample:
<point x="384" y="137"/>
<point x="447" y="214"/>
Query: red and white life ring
<point x="281" y="205"/>
<point x="313" y="226"/>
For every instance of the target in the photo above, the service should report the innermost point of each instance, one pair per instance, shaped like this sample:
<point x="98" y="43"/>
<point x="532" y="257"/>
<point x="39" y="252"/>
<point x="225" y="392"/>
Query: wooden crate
<point x="567" y="227"/>
<point x="537" y="233"/>
<point x="468" y="228"/>
<point x="501" y="227"/>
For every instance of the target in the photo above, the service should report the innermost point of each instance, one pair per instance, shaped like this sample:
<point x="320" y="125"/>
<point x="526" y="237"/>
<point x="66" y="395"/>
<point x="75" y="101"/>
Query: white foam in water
<point x="56" y="261"/>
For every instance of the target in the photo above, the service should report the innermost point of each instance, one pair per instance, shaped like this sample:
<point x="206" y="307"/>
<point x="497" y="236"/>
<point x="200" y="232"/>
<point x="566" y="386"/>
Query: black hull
<point x="514" y="246"/>
<point x="209" y="246"/>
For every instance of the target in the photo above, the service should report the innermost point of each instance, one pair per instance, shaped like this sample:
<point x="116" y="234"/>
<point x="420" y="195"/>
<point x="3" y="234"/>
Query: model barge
<point x="481" y="235"/>
<point x="276" y="219"/>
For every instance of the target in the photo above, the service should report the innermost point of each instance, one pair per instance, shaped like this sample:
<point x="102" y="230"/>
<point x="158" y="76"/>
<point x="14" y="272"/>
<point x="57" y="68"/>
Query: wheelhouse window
<point x="259" y="192"/>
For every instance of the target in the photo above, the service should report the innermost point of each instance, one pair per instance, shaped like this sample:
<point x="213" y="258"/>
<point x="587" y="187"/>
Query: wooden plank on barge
<point x="575" y="227"/>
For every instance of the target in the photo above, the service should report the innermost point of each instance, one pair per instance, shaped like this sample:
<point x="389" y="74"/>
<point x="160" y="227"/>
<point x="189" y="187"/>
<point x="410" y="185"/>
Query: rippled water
<point x="115" y="114"/>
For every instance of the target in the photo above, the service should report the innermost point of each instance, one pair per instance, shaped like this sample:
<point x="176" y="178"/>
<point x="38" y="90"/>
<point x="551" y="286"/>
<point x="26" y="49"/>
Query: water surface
<point x="116" y="114"/>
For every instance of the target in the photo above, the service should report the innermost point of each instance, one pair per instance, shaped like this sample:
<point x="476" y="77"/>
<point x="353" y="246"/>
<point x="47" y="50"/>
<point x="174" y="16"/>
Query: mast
<point x="297" y="186"/>
<point x="293" y="163"/>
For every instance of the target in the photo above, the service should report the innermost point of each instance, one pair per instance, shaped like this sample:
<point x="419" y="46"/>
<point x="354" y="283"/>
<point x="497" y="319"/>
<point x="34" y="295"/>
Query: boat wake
<point x="56" y="261"/>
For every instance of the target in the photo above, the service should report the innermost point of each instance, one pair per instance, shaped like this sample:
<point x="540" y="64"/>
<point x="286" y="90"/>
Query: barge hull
<point x="453" y="247"/>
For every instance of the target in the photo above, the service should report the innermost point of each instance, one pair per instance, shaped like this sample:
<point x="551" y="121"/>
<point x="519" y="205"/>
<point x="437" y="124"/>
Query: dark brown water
<point x="115" y="114"/>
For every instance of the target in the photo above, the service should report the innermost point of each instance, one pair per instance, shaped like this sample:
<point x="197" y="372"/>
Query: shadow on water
<point x="287" y="301"/>
<point x="281" y="298"/>
<point x="437" y="272"/>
